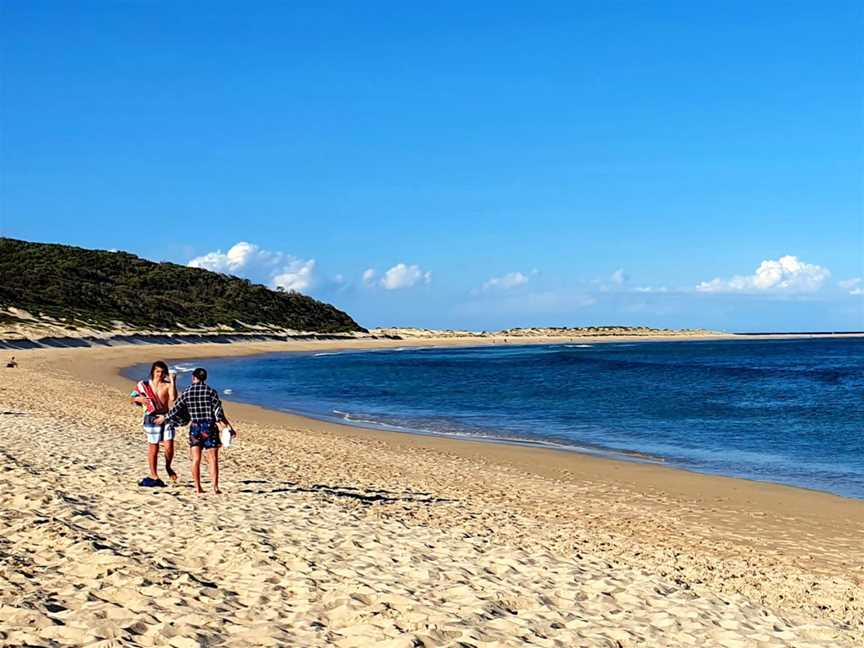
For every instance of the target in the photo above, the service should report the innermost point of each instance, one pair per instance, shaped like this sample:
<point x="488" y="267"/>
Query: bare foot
<point x="216" y="491"/>
<point x="199" y="491"/>
<point x="172" y="475"/>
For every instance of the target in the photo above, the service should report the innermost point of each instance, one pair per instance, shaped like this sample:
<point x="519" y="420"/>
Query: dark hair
<point x="158" y="365"/>
<point x="200" y="374"/>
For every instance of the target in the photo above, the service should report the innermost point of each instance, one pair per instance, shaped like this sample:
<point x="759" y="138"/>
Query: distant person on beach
<point x="200" y="406"/>
<point x="156" y="395"/>
<point x="12" y="363"/>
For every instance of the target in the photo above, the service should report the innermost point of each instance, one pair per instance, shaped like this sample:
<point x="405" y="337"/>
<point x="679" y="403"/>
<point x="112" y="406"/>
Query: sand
<point x="329" y="535"/>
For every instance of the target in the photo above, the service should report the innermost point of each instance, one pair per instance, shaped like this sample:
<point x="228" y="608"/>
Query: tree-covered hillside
<point x="97" y="288"/>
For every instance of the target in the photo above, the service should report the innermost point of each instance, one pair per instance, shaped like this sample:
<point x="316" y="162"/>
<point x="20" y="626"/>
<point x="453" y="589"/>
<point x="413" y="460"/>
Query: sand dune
<point x="325" y="537"/>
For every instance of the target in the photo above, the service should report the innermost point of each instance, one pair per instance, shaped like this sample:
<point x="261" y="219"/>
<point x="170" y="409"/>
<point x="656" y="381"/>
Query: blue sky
<point x="497" y="164"/>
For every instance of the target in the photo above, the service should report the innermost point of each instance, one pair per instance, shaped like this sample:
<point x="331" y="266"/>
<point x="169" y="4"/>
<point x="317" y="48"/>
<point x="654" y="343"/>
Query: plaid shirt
<point x="198" y="402"/>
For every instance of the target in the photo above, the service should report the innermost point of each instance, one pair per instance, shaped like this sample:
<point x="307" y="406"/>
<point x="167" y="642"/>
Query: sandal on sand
<point x="149" y="482"/>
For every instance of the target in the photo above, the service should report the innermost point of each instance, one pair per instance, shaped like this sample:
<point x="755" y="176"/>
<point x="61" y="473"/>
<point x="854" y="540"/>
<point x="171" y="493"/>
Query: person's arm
<point x="219" y="412"/>
<point x="172" y="389"/>
<point x="216" y="406"/>
<point x="225" y="424"/>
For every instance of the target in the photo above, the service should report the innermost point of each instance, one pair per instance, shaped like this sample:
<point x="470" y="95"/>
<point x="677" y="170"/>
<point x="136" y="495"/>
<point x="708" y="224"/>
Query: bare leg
<point x="213" y="466"/>
<point x="168" y="447"/>
<point x="195" y="454"/>
<point x="152" y="459"/>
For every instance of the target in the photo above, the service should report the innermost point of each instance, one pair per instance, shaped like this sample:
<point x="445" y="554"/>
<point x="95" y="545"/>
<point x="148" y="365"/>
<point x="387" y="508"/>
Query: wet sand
<point x="335" y="535"/>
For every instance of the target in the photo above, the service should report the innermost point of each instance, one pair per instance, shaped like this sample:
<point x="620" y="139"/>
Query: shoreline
<point x="601" y="453"/>
<point x="786" y="550"/>
<point x="643" y="471"/>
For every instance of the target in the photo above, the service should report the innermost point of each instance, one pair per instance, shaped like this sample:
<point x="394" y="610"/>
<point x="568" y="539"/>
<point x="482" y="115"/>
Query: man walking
<point x="156" y="395"/>
<point x="200" y="406"/>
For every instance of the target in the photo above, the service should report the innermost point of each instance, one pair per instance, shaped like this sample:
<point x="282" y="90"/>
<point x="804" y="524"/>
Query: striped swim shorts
<point x="157" y="433"/>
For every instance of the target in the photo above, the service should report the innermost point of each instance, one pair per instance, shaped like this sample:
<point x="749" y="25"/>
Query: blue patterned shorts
<point x="204" y="434"/>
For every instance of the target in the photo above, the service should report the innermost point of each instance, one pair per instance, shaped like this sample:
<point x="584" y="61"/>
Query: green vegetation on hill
<point x="95" y="288"/>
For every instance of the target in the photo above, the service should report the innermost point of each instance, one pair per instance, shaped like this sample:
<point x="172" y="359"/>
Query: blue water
<point x="787" y="411"/>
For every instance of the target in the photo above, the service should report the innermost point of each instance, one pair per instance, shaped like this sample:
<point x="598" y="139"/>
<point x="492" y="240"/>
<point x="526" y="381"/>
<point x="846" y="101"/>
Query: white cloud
<point x="854" y="285"/>
<point x="296" y="276"/>
<point x="506" y="282"/>
<point x="369" y="277"/>
<point x="787" y="274"/>
<point x="276" y="269"/>
<point x="618" y="277"/>
<point x="241" y="256"/>
<point x="215" y="261"/>
<point x="404" y="276"/>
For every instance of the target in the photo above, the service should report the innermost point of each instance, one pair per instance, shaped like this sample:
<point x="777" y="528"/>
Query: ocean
<point x="789" y="411"/>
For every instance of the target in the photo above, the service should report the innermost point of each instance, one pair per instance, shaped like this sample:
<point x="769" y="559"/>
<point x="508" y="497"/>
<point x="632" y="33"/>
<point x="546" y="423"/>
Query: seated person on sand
<point x="200" y="406"/>
<point x="12" y="363"/>
<point x="156" y="396"/>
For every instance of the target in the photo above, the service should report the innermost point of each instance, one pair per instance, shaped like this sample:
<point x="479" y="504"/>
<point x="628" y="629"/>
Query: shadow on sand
<point x="264" y="487"/>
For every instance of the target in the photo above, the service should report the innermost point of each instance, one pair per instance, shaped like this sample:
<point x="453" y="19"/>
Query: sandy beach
<point x="333" y="535"/>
